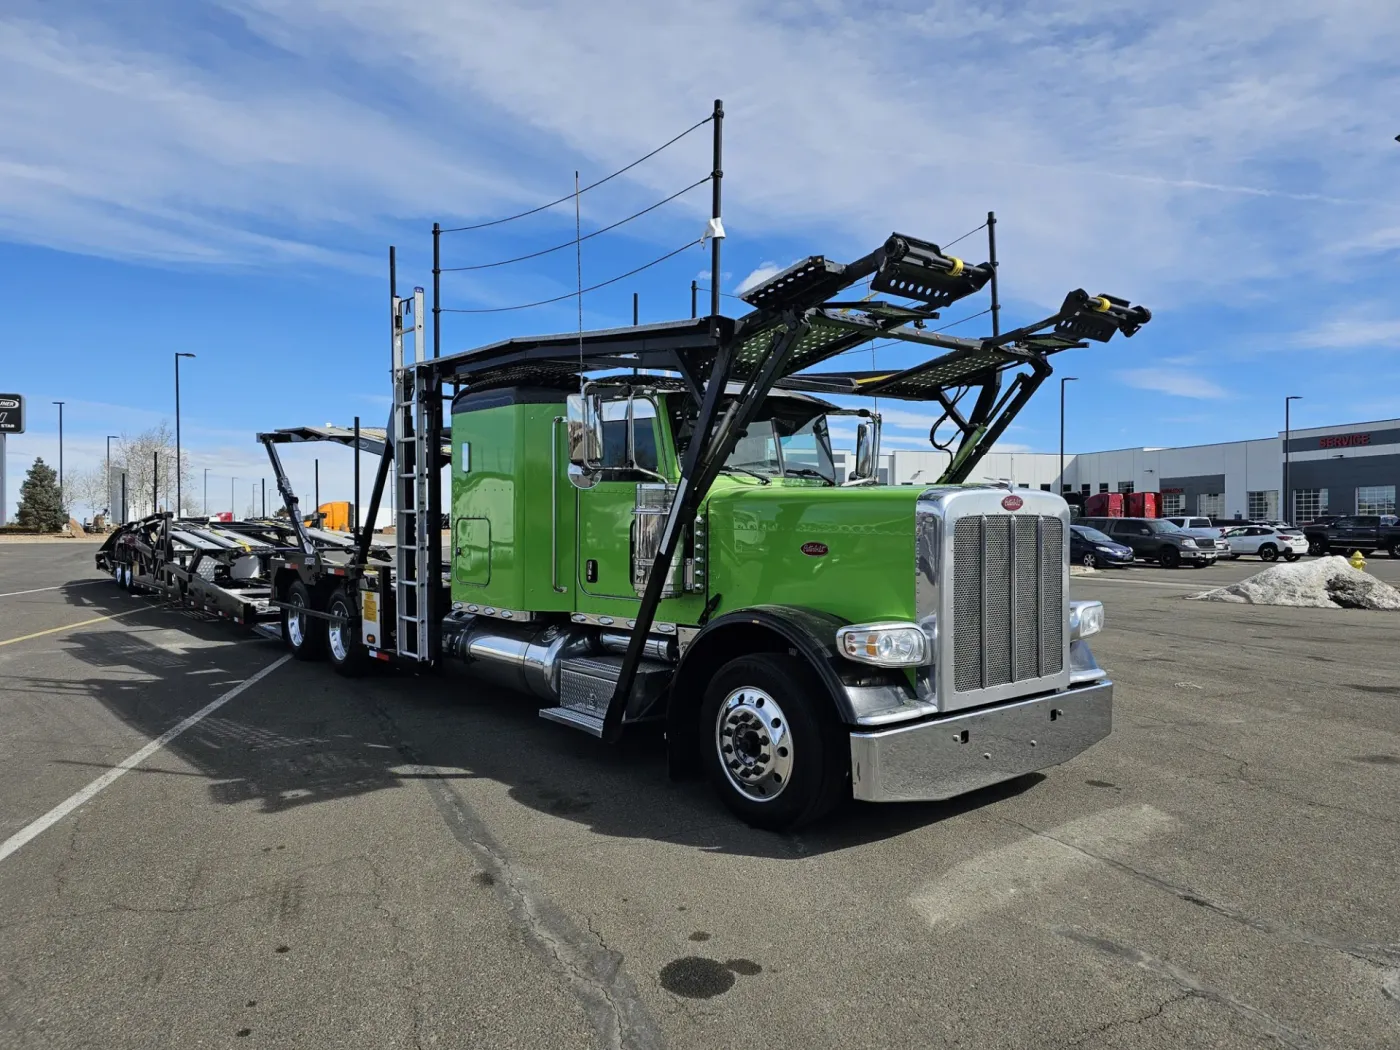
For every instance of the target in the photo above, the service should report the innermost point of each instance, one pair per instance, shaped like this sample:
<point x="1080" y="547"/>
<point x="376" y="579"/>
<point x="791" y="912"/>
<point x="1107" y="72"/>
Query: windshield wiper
<point x="806" y="472"/>
<point x="745" y="470"/>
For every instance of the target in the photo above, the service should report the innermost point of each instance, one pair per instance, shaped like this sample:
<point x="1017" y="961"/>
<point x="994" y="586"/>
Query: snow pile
<point x="1324" y="583"/>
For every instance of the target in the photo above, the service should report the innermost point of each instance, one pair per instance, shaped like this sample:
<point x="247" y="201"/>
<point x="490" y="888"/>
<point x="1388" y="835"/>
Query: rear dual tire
<point x="345" y="649"/>
<point x="305" y="635"/>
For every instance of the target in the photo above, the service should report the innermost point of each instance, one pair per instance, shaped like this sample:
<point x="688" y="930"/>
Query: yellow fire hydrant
<point x="1357" y="561"/>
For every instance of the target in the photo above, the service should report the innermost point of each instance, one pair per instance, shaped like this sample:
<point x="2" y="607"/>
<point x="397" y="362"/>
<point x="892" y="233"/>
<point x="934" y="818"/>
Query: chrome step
<point x="568" y="716"/>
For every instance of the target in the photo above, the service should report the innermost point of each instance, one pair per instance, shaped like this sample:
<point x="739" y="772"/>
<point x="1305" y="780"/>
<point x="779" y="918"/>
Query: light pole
<point x="1288" y="509"/>
<point x="1066" y="379"/>
<point x="232" y="503"/>
<point x="109" y="473"/>
<point x="62" y="496"/>
<point x="179" y="463"/>
<point x="206" y="492"/>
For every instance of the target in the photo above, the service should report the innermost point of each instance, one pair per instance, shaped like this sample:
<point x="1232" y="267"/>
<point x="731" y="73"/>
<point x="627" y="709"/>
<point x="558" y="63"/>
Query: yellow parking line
<point x="67" y="627"/>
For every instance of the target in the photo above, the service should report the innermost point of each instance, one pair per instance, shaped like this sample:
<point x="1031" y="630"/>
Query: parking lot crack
<point x="594" y="972"/>
<point x="1191" y="986"/>
<point x="1124" y="1022"/>
<point x="1376" y="954"/>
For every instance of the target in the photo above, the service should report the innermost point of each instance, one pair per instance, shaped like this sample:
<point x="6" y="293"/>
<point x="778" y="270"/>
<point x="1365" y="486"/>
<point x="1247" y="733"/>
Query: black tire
<point x="1089" y="561"/>
<point x="305" y="635"/>
<point x="1268" y="552"/>
<point x="1317" y="547"/>
<point x="1170" y="558"/>
<point x="344" y="648"/>
<point x="1291" y="556"/>
<point x="1394" y="550"/>
<point x="807" y="741"/>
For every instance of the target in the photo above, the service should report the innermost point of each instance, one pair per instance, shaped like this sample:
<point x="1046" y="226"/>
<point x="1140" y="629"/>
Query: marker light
<point x="1085" y="618"/>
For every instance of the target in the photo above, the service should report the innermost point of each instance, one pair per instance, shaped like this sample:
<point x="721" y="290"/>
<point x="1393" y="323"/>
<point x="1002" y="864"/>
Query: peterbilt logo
<point x="1012" y="502"/>
<point x="814" y="550"/>
<point x="8" y="402"/>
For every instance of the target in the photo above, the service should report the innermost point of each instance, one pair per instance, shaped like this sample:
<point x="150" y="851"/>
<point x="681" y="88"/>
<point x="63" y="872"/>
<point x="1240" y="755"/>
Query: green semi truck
<point x="645" y="526"/>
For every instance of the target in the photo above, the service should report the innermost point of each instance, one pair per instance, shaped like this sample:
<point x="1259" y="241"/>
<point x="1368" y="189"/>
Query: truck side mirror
<point x="585" y="420"/>
<point x="867" y="453"/>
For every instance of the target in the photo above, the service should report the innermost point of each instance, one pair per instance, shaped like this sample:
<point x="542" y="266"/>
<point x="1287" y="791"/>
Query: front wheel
<point x="1090" y="562"/>
<point x="344" y="648"/>
<point x="305" y="635"/>
<point x="1317" y="547"/>
<point x="1268" y="552"/>
<point x="1170" y="558"/>
<point x="771" y="746"/>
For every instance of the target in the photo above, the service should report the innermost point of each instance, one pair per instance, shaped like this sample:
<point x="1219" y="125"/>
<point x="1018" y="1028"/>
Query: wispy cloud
<point x="1172" y="381"/>
<point x="275" y="139"/>
<point x="1352" y="334"/>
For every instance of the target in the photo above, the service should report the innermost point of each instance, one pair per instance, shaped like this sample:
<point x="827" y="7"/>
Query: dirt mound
<point x="1324" y="583"/>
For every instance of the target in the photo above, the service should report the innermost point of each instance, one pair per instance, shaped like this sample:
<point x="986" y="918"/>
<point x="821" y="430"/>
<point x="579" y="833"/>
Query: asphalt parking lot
<point x="421" y="862"/>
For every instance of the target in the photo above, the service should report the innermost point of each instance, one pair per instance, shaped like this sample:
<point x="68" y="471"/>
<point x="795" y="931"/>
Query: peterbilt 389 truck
<point x="645" y="526"/>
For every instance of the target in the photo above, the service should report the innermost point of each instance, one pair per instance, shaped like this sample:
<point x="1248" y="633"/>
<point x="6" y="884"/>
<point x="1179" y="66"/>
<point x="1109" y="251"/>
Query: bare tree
<point x="149" y="461"/>
<point x="86" y="488"/>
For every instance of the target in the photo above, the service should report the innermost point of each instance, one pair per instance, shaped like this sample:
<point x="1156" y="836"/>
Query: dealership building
<point x="1350" y="469"/>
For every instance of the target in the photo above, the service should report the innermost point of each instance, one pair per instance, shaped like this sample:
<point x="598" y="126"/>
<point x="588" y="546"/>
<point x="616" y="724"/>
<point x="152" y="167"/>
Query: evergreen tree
<point x="40" y="503"/>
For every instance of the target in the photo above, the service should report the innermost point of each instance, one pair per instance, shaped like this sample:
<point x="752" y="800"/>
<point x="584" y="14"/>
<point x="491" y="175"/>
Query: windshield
<point x="772" y="448"/>
<point x="1157" y="525"/>
<point x="1092" y="535"/>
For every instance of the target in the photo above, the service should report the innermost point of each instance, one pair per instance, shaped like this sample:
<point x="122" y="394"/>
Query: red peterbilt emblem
<point x="814" y="550"/>
<point x="1012" y="502"/>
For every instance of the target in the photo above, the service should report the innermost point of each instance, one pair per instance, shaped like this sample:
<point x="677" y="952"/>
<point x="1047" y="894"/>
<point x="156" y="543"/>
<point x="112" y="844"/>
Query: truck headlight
<point x="1085" y="618"/>
<point x="884" y="644"/>
<point x="1188" y="542"/>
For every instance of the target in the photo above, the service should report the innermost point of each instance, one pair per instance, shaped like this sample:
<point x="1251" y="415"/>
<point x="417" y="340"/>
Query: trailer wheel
<point x="344" y="649"/>
<point x="304" y="635"/>
<point x="774" y="753"/>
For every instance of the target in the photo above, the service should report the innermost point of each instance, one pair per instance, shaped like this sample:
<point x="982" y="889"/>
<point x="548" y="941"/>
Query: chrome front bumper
<point x="959" y="753"/>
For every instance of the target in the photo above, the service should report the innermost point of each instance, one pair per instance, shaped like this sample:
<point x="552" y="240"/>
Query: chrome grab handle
<point x="554" y="505"/>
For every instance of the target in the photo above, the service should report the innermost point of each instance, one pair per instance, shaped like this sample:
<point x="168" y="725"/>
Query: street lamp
<point x="1288" y="507"/>
<point x="179" y="463"/>
<point x="61" y="498"/>
<point x="206" y="492"/>
<point x="232" y="503"/>
<point x="1066" y="379"/>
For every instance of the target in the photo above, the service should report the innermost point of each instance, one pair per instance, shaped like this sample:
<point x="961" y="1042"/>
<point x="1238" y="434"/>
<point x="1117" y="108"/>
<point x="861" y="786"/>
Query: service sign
<point x="11" y="414"/>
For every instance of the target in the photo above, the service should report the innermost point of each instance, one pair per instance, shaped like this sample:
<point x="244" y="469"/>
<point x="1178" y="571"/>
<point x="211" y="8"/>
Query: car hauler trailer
<point x="645" y="528"/>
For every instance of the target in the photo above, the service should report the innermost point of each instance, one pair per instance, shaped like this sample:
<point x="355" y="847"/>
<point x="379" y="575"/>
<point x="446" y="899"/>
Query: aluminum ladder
<point x="412" y="461"/>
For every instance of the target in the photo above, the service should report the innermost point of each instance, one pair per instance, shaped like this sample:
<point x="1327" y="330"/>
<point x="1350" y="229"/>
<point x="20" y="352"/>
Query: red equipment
<point x="1144" y="505"/>
<point x="1104" y="505"/>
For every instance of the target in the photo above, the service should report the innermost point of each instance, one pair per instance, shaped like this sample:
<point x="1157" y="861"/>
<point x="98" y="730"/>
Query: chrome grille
<point x="1205" y="541"/>
<point x="1008" y="599"/>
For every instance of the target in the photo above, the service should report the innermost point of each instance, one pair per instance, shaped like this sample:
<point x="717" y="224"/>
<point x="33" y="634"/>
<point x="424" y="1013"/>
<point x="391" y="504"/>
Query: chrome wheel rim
<point x="296" y="624"/>
<point x="754" y="744"/>
<point x="336" y="635"/>
<point x="1088" y="561"/>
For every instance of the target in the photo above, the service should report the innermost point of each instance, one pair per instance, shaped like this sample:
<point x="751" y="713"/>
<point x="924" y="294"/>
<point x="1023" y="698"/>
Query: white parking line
<point x="36" y="590"/>
<point x="53" y="816"/>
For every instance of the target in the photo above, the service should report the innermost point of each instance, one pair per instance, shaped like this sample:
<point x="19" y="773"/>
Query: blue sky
<point x="225" y="177"/>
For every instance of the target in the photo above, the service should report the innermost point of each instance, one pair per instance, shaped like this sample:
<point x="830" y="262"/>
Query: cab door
<point x="607" y="509"/>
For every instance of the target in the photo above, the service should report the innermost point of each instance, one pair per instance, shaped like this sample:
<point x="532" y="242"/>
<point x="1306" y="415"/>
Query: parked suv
<point x="1156" y="539"/>
<point x="1267" y="542"/>
<point x="1359" y="532"/>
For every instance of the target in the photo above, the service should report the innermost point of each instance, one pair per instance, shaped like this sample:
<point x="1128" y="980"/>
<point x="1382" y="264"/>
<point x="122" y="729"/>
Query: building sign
<point x="1343" y="440"/>
<point x="11" y="414"/>
<point x="1172" y="492"/>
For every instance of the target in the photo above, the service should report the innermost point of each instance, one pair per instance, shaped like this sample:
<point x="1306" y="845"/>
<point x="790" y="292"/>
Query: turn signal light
<point x="884" y="644"/>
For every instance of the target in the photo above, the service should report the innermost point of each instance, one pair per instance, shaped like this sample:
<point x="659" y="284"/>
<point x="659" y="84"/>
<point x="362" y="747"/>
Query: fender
<point x="852" y="688"/>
